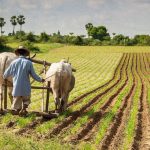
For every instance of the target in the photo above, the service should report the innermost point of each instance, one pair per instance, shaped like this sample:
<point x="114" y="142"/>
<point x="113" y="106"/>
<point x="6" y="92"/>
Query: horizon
<point x="129" y="17"/>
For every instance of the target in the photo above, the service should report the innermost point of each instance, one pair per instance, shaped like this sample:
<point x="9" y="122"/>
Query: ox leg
<point x="64" y="101"/>
<point x="1" y="97"/>
<point x="57" y="104"/>
<point x="10" y="94"/>
<point x="56" y="98"/>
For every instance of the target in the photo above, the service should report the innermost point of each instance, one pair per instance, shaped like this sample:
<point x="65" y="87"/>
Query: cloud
<point x="95" y="3"/>
<point x="35" y="4"/>
<point x="120" y="16"/>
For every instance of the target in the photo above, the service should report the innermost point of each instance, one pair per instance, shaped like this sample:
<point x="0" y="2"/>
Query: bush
<point x="96" y="43"/>
<point x="20" y="35"/>
<point x="77" y="40"/>
<point x="29" y="45"/>
<point x="30" y="37"/>
<point x="44" y="37"/>
<point x="2" y="42"/>
<point x="3" y="46"/>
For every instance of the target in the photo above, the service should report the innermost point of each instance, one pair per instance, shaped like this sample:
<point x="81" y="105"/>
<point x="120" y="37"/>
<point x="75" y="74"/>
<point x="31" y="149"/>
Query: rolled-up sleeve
<point x="33" y="74"/>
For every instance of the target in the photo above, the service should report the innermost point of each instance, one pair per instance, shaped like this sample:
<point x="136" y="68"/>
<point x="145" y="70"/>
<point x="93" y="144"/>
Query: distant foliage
<point x="3" y="46"/>
<point x="97" y="35"/>
<point x="20" y="35"/>
<point x="2" y="42"/>
<point x="2" y="23"/>
<point x="21" y="21"/>
<point x="44" y="37"/>
<point x="31" y="37"/>
<point x="142" y="40"/>
<point x="31" y="46"/>
<point x="13" y="21"/>
<point x="99" y="32"/>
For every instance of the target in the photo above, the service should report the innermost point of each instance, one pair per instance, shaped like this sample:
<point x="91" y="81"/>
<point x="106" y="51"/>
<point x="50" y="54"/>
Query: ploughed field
<point x="108" y="108"/>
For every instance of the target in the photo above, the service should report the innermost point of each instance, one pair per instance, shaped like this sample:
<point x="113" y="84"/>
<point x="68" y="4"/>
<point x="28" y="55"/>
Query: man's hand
<point x="43" y="80"/>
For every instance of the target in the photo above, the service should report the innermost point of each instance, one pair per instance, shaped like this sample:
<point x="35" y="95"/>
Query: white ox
<point x="5" y="59"/>
<point x="62" y="82"/>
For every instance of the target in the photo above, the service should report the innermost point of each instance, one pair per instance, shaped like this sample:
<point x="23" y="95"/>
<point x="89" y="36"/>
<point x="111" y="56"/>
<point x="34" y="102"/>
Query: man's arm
<point x="34" y="75"/>
<point x="8" y="72"/>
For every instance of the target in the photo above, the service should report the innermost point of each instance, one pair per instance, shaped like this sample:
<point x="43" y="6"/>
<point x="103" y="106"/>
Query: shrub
<point x="29" y="45"/>
<point x="20" y="35"/>
<point x="30" y="37"/>
<point x="44" y="37"/>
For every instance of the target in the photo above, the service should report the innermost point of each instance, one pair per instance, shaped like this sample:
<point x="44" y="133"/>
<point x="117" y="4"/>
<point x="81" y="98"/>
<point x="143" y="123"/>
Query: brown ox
<point x="62" y="82"/>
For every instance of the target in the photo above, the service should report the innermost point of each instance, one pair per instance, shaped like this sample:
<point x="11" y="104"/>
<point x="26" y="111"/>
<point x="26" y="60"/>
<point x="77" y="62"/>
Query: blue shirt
<point x="20" y="70"/>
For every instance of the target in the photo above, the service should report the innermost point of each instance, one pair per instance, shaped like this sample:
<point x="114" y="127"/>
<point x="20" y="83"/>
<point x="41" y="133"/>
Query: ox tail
<point x="60" y="85"/>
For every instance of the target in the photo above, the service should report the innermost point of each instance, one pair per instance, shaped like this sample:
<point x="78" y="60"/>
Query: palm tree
<point x="88" y="27"/>
<point x="21" y="21"/>
<point x="13" y="21"/>
<point x="2" y="23"/>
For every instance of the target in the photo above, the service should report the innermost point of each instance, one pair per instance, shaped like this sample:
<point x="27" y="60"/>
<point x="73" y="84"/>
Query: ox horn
<point x="33" y="56"/>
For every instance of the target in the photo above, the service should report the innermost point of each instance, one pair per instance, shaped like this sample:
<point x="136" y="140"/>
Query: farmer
<point x="20" y="69"/>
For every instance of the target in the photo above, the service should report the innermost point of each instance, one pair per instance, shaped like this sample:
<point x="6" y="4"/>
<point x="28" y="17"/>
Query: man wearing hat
<point x="20" y="70"/>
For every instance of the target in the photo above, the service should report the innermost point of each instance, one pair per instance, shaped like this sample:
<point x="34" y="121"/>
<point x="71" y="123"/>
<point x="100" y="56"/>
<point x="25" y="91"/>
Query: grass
<point x="129" y="131"/>
<point x="10" y="141"/>
<point x="95" y="66"/>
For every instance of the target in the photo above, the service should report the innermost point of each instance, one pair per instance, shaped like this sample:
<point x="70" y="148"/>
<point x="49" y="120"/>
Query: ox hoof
<point x="23" y="113"/>
<point x="14" y="112"/>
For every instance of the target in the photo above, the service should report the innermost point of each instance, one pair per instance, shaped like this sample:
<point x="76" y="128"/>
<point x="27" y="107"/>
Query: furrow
<point x="142" y="136"/>
<point x="92" y="91"/>
<point x="97" y="116"/>
<point x="77" y="113"/>
<point x="73" y="116"/>
<point x="119" y="122"/>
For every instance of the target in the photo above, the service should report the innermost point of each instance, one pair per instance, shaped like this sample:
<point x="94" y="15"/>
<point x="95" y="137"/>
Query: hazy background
<point x="128" y="17"/>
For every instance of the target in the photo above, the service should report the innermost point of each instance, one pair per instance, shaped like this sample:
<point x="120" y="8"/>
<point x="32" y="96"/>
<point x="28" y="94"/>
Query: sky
<point x="127" y="17"/>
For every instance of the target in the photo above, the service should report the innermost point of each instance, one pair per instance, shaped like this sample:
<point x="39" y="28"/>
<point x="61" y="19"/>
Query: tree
<point x="30" y="37"/>
<point x="77" y="40"/>
<point x="21" y="21"/>
<point x="2" y="23"/>
<point x="89" y="27"/>
<point x="13" y="21"/>
<point x="21" y="35"/>
<point x="121" y="40"/>
<point x="142" y="39"/>
<point x="44" y="37"/>
<point x="71" y="33"/>
<point x="99" y="33"/>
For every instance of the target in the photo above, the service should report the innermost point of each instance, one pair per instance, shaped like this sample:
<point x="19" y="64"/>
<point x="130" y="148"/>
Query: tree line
<point x="97" y="35"/>
<point x="14" y="21"/>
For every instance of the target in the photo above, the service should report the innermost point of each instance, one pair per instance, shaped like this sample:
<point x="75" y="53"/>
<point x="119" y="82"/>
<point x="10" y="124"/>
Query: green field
<point x="106" y="121"/>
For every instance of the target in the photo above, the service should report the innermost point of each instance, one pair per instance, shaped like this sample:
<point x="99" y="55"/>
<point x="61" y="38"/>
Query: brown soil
<point x="96" y="117"/>
<point x="76" y="100"/>
<point x="113" y="134"/>
<point x="73" y="116"/>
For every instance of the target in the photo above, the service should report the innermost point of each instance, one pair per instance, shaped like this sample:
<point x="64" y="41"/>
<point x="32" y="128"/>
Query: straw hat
<point x="17" y="51"/>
